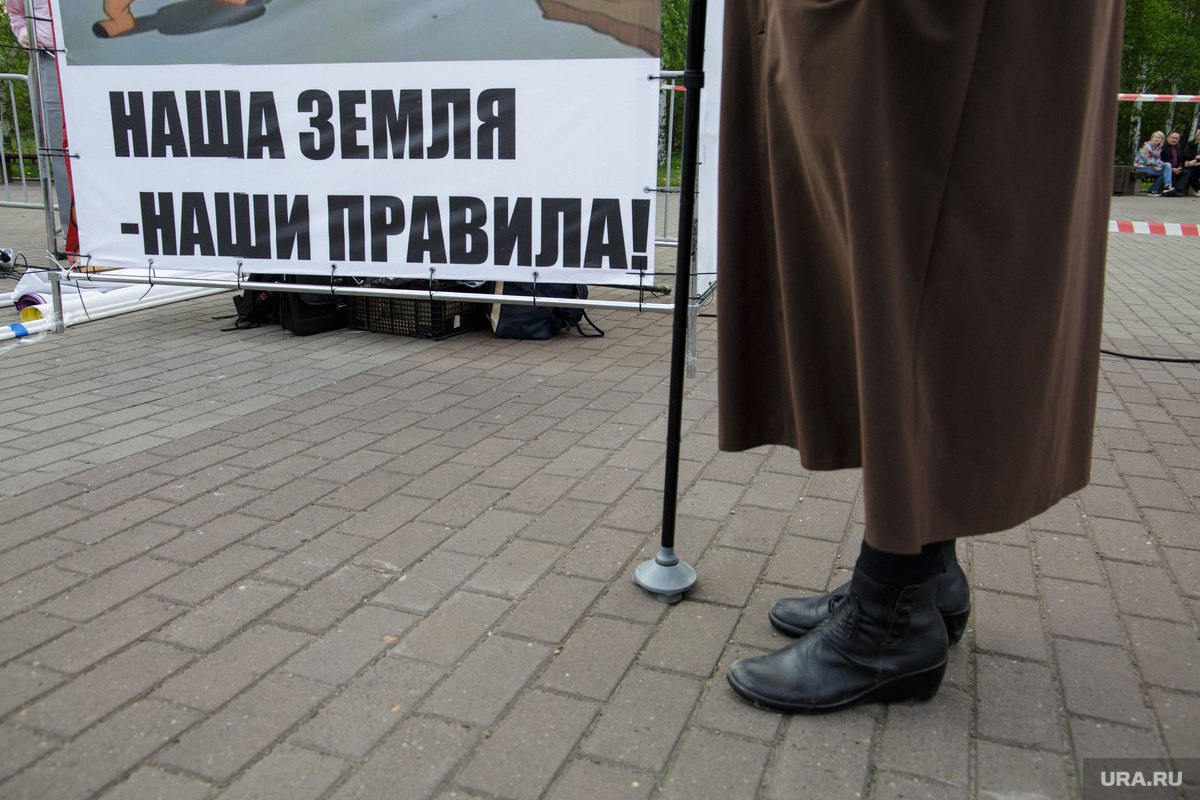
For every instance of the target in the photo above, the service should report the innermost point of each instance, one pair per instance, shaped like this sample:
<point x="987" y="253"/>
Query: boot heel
<point x="956" y="625"/>
<point x="919" y="686"/>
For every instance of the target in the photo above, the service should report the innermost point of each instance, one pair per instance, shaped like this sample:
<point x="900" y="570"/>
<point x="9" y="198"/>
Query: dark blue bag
<point x="540" y="321"/>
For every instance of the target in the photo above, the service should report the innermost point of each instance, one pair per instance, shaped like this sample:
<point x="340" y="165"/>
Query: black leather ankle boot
<point x="797" y="616"/>
<point x="880" y="644"/>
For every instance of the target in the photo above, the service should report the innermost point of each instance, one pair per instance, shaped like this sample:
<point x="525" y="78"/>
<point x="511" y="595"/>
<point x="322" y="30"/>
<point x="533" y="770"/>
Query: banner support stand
<point x="43" y="145"/>
<point x="665" y="575"/>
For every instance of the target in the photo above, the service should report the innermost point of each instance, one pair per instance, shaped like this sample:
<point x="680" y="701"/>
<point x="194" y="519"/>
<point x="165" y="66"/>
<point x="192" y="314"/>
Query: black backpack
<point x="305" y="314"/>
<point x="301" y="313"/>
<point x="540" y="321"/>
<point x="255" y="306"/>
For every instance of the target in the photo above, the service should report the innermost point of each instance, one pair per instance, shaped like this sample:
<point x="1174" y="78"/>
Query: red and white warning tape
<point x="1159" y="98"/>
<point x="1155" y="228"/>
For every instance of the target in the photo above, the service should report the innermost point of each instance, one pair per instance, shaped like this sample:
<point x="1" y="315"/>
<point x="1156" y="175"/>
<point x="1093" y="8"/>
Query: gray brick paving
<point x="220" y="746"/>
<point x="524" y="753"/>
<point x="352" y="724"/>
<point x="23" y="683"/>
<point x="362" y="566"/>
<point x="212" y="680"/>
<point x="83" y="646"/>
<point x="126" y="676"/>
<point x="103" y="753"/>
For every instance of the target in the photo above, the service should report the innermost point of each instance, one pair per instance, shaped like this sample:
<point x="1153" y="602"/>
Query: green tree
<point x="674" y="33"/>
<point x="673" y="49"/>
<point x="1159" y="57"/>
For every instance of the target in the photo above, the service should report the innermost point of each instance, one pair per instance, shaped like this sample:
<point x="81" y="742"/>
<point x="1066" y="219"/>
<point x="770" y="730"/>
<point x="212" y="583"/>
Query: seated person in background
<point x="1149" y="162"/>
<point x="1191" y="160"/>
<point x="1172" y="158"/>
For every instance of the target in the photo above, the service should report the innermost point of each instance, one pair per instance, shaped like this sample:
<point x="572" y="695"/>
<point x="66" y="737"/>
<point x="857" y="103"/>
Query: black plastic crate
<point x="425" y="319"/>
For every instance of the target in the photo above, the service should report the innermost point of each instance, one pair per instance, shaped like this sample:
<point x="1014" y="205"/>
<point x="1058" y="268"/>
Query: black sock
<point x="949" y="552"/>
<point x="897" y="569"/>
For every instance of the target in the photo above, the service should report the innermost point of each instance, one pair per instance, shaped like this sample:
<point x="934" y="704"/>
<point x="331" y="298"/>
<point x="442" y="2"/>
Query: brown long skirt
<point x="913" y="217"/>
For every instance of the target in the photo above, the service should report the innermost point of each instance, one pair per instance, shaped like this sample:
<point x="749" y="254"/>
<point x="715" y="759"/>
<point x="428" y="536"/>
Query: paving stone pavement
<point x="364" y="566"/>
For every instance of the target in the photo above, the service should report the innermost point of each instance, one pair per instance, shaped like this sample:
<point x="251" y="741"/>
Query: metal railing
<point x="20" y="173"/>
<point x="669" y="107"/>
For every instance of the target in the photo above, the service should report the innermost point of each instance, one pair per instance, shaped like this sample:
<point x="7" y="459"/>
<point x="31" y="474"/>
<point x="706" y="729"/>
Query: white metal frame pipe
<point x="367" y="291"/>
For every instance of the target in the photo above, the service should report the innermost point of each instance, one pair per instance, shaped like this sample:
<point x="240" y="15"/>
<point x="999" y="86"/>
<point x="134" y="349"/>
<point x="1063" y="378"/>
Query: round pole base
<point x="665" y="576"/>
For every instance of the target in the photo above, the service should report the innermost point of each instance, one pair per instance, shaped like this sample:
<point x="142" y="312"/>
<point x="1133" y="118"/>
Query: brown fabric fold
<point x="913" y="217"/>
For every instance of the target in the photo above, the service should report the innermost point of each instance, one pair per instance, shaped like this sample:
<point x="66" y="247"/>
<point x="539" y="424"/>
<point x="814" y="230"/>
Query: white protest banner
<point x="468" y="139"/>
<point x="707" y="196"/>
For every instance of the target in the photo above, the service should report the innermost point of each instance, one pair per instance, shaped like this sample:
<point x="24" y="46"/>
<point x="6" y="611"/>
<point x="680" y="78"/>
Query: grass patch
<point x="676" y="170"/>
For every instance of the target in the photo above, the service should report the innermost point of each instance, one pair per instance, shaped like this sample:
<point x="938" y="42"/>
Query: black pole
<point x="666" y="575"/>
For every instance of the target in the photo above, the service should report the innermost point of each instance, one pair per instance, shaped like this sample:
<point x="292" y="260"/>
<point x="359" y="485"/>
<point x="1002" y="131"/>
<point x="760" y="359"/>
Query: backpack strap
<point x="579" y="327"/>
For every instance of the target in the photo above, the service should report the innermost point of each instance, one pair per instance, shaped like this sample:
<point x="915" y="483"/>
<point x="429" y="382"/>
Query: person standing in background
<point x="883" y="313"/>
<point x="40" y="41"/>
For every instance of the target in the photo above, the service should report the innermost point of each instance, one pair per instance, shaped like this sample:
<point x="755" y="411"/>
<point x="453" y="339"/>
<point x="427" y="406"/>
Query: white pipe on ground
<point x="79" y="315"/>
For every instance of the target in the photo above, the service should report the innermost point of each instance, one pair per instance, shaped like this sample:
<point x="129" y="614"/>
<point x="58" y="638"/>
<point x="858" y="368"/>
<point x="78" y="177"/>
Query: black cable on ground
<point x="1162" y="359"/>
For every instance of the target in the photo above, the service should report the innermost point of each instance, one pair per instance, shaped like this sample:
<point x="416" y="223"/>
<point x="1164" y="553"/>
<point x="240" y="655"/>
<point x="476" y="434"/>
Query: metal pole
<point x="665" y="575"/>
<point x="43" y="146"/>
<point x="39" y="131"/>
